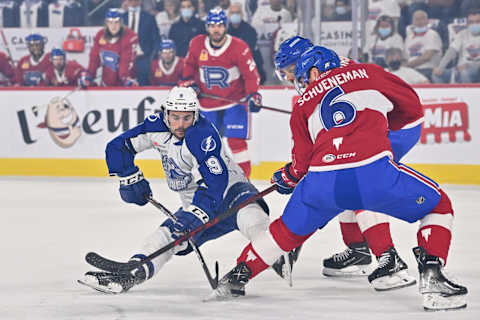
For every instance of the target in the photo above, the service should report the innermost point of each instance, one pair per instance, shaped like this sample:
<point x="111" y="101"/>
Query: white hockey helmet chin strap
<point x="182" y="99"/>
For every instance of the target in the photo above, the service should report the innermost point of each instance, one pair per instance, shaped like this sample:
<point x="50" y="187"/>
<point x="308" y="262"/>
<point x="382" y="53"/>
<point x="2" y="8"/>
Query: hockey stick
<point x="211" y="96"/>
<point x="5" y="43"/>
<point x="213" y="281"/>
<point x="108" y="265"/>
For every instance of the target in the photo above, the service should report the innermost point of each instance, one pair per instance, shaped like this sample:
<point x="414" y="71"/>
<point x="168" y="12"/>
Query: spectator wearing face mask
<point x="167" y="17"/>
<point x="384" y="36"/>
<point x="467" y="47"/>
<point x="423" y="46"/>
<point x="394" y="60"/>
<point x="186" y="28"/>
<point x="343" y="12"/>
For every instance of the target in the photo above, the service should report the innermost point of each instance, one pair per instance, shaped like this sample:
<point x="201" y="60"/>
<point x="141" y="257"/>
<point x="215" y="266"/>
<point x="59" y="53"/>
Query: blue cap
<point x="320" y="57"/>
<point x="216" y="16"/>
<point x="57" y="52"/>
<point x="290" y="51"/>
<point x="114" y="13"/>
<point x="167" y="44"/>
<point x="34" y="37"/>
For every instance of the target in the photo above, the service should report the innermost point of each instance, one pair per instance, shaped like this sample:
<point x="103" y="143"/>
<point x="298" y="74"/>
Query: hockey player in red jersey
<point x="342" y="160"/>
<point x="223" y="66"/>
<point x="361" y="230"/>
<point x="114" y="51"/>
<point x="7" y="71"/>
<point x="32" y="67"/>
<point x="167" y="69"/>
<point x="62" y="72"/>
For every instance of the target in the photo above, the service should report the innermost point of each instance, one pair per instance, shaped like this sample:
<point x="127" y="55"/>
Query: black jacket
<point x="182" y="32"/>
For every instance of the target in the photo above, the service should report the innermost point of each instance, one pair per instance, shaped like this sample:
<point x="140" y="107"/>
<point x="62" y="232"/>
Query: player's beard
<point x="179" y="133"/>
<point x="217" y="39"/>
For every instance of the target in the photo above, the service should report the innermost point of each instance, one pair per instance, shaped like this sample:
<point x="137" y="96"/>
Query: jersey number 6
<point x="333" y="113"/>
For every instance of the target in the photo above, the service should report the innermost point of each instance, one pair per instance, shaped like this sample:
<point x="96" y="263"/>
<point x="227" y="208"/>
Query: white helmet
<point x="181" y="99"/>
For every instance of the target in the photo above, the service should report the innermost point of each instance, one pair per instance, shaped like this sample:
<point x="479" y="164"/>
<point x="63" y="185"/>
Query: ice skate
<point x="439" y="292"/>
<point x="352" y="262"/>
<point x="113" y="283"/>
<point x="232" y="284"/>
<point x="285" y="270"/>
<point x="391" y="272"/>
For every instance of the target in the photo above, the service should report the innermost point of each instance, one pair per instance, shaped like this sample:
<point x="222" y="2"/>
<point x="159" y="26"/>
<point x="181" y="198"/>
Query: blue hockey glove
<point x="190" y="219"/>
<point x="85" y="80"/>
<point x="284" y="180"/>
<point x="135" y="189"/>
<point x="129" y="82"/>
<point x="254" y="101"/>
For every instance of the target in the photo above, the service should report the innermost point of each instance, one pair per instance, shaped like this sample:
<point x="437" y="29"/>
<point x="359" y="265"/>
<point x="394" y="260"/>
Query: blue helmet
<point x="34" y="37"/>
<point x="319" y="57"/>
<point x="114" y="14"/>
<point x="290" y="51"/>
<point x="167" y="44"/>
<point x="216" y="16"/>
<point x="57" y="52"/>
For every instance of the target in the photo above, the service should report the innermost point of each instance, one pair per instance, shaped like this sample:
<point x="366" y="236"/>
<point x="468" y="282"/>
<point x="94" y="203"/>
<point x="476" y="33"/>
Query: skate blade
<point x="347" y="272"/>
<point x="437" y="302"/>
<point x="395" y="281"/>
<point x="96" y="286"/>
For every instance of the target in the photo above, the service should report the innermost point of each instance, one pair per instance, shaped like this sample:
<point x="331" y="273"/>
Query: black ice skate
<point x="391" y="272"/>
<point x="439" y="292"/>
<point x="285" y="270"/>
<point x="232" y="284"/>
<point x="113" y="283"/>
<point x="354" y="261"/>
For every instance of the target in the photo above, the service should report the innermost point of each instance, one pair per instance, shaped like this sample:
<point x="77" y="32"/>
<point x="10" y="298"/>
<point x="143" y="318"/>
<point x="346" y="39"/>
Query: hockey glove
<point x="134" y="188"/>
<point x="284" y="180"/>
<point x="191" y="84"/>
<point x="129" y="82"/>
<point x="254" y="101"/>
<point x="85" y="80"/>
<point x="190" y="219"/>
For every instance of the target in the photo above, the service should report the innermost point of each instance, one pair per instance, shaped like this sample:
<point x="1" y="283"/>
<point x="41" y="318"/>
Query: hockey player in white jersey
<point x="196" y="166"/>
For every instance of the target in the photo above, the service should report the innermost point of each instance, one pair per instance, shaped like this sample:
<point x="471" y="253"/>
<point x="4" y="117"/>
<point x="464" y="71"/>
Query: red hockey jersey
<point x="159" y="76"/>
<point x="116" y="58"/>
<point x="229" y="71"/>
<point x="70" y="75"/>
<point x="7" y="71"/>
<point x="30" y="72"/>
<point x="342" y="119"/>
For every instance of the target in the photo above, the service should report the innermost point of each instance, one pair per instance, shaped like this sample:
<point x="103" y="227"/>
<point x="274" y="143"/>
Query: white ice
<point x="47" y="225"/>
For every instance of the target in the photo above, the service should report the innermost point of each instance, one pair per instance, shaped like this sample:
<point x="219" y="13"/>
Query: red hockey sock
<point x="351" y="232"/>
<point x="379" y="238"/>
<point x="239" y="149"/>
<point x="434" y="234"/>
<point x="252" y="260"/>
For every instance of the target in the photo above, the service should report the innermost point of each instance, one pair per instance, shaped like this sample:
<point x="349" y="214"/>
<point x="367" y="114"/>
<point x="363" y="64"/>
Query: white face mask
<point x="236" y="18"/>
<point x="134" y="9"/>
<point x="186" y="13"/>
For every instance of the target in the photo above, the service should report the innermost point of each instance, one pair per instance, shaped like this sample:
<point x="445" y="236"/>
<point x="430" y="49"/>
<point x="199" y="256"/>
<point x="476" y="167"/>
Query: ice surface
<point x="47" y="225"/>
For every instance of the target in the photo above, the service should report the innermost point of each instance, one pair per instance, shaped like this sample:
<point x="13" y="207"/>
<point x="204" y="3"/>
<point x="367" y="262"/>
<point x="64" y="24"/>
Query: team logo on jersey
<point x="208" y="144"/>
<point x="102" y="41"/>
<point x="62" y="122"/>
<point x="158" y="73"/>
<point x="177" y="179"/>
<point x="203" y="55"/>
<point x="25" y="65"/>
<point x="215" y="76"/>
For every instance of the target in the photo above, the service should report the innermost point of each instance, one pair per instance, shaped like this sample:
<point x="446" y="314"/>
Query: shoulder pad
<point x="155" y="123"/>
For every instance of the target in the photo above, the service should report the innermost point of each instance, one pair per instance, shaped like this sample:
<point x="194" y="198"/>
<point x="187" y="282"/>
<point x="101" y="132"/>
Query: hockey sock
<point x="376" y="229"/>
<point x="239" y="149"/>
<point x="434" y="234"/>
<point x="351" y="232"/>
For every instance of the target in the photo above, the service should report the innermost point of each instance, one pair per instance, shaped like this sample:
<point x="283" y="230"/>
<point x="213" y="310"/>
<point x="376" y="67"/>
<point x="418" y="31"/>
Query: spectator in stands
<point x="343" y="11"/>
<point x="66" y="13"/>
<point x="394" y="60"/>
<point x="467" y="47"/>
<point x="114" y="51"/>
<point x="9" y="14"/>
<point x="466" y="6"/>
<point x="7" y="71"/>
<point x="187" y="27"/>
<point x="423" y="46"/>
<point x="268" y="18"/>
<point x="32" y="67"/>
<point x="167" y="17"/>
<point x="34" y="13"/>
<point x="241" y="29"/>
<point x="145" y="26"/>
<point x="384" y="36"/>
<point x="61" y="72"/>
<point x="97" y="11"/>
<point x="167" y="69"/>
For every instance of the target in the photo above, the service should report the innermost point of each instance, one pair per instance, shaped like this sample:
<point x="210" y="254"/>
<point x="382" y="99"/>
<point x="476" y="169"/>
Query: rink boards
<point x="43" y="138"/>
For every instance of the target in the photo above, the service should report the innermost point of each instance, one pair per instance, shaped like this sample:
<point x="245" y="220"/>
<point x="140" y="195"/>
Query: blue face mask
<point x="187" y="13"/>
<point x="384" y="32"/>
<point x="474" y="28"/>
<point x="235" y="18"/>
<point x="420" y="29"/>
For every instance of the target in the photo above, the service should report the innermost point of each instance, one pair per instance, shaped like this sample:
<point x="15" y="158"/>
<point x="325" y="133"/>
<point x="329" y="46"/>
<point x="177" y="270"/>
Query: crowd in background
<point x="422" y="41"/>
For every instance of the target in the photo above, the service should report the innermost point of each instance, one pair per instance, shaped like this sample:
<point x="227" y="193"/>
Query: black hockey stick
<point x="100" y="262"/>
<point x="211" y="96"/>
<point x="213" y="281"/>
